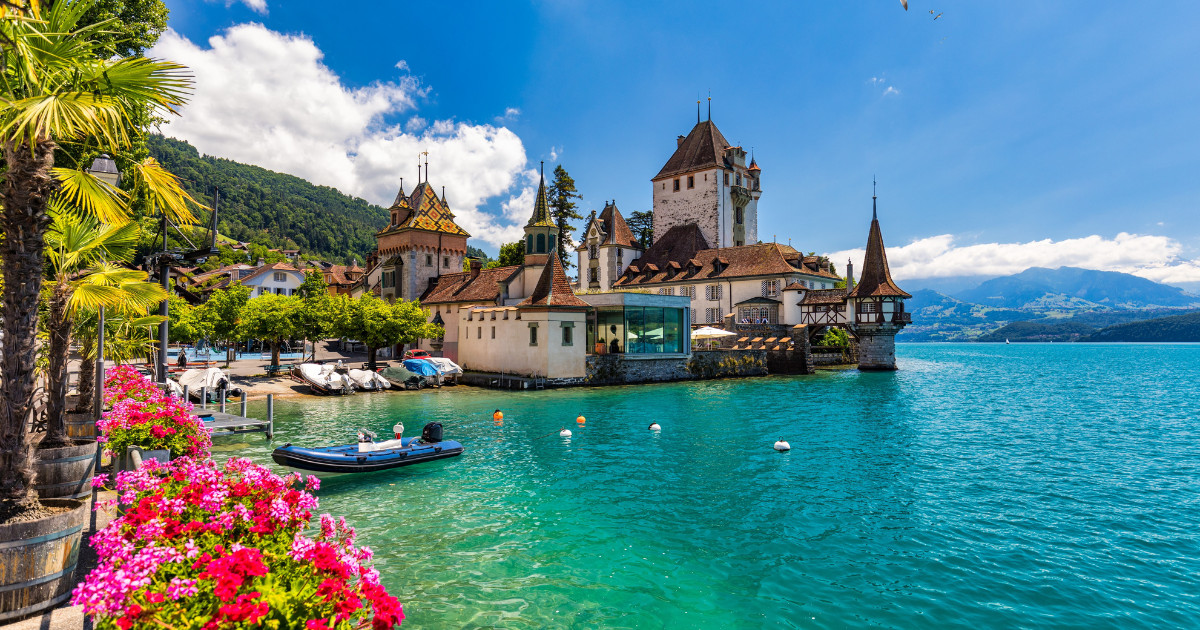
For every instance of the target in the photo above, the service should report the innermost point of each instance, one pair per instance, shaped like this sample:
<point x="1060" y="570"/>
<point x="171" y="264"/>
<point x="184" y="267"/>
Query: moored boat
<point x="368" y="381"/>
<point x="214" y="379"/>
<point x="368" y="455"/>
<point x="322" y="380"/>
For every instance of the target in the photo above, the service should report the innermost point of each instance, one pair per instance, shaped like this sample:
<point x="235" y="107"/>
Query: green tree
<point x="317" y="316"/>
<point x="377" y="324"/>
<point x="562" y="194"/>
<point x="642" y="226"/>
<point x="222" y="311"/>
<point x="270" y="317"/>
<point x="510" y="254"/>
<point x="185" y="325"/>
<point x="58" y="90"/>
<point x="130" y="26"/>
<point x="78" y="275"/>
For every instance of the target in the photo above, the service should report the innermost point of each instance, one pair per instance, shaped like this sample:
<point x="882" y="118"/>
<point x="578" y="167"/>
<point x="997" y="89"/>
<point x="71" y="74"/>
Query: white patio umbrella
<point x="708" y="332"/>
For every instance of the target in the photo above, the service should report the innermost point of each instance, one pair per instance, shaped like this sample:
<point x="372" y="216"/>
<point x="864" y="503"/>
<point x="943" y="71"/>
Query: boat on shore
<point x="214" y="379"/>
<point x="323" y="380"/>
<point x="368" y="381"/>
<point x="448" y="371"/>
<point x="368" y="455"/>
<point x="402" y="378"/>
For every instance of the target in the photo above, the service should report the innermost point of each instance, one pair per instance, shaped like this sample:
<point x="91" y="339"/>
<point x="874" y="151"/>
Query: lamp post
<point x="105" y="169"/>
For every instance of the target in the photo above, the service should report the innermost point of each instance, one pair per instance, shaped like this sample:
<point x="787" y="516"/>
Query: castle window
<point x="739" y="179"/>
<point x="712" y="292"/>
<point x="619" y="253"/>
<point x="541" y="243"/>
<point x="739" y="243"/>
<point x="594" y="274"/>
<point x="428" y="260"/>
<point x="528" y="243"/>
<point x="493" y="330"/>
<point x="711" y="315"/>
<point x="568" y="337"/>
<point x="676" y="184"/>
<point x="593" y="251"/>
<point x="445" y="261"/>
<point x="479" y="332"/>
<point x="691" y="181"/>
<point x="737" y="215"/>
<point x="726" y="179"/>
<point x="770" y="288"/>
<point x="533" y="334"/>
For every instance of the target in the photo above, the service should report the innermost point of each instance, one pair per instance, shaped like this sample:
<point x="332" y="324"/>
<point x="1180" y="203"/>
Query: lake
<point x="989" y="486"/>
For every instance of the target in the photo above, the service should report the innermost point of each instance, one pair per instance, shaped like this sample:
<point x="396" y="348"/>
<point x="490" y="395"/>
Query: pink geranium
<point x="142" y="415"/>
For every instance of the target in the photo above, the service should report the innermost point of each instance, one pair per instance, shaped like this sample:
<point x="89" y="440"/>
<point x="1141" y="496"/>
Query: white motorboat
<point x="214" y="379"/>
<point x="368" y="381"/>
<point x="323" y="380"/>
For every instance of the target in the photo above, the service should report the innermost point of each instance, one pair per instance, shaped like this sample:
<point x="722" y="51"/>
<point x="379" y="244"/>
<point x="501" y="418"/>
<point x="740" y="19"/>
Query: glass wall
<point x="637" y="330"/>
<point x="610" y="330"/>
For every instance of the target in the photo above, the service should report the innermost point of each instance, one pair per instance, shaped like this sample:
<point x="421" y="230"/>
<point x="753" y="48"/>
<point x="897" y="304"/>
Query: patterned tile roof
<point x="461" y="287"/>
<point x="824" y="296"/>
<point x="765" y="259"/>
<point x="876" y="279"/>
<point x="541" y="209"/>
<point x="425" y="212"/>
<point x="553" y="289"/>
<point x="703" y="148"/>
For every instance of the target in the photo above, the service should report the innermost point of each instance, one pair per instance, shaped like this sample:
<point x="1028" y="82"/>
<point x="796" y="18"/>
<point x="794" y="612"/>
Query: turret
<point x="878" y="305"/>
<point x="540" y="231"/>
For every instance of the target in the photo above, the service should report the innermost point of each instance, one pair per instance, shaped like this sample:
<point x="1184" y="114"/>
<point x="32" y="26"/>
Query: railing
<point x="879" y="318"/>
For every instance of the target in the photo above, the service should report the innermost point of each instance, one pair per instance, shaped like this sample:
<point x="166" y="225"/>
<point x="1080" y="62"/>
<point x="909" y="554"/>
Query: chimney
<point x="679" y="142"/>
<point x="260" y="262"/>
<point x="476" y="265"/>
<point x="849" y="275"/>
<point x="433" y="282"/>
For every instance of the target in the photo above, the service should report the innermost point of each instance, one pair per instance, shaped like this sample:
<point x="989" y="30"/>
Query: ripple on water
<point x="980" y="486"/>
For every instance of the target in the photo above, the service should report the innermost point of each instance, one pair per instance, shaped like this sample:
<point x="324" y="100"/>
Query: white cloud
<point x="876" y="81"/>
<point x="258" y="6"/>
<point x="891" y="91"/>
<point x="554" y="151"/>
<point x="402" y="65"/>
<point x="1157" y="258"/>
<point x="510" y="114"/>
<point x="268" y="99"/>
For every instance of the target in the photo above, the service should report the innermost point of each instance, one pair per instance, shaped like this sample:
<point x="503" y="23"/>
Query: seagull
<point x="905" y="4"/>
<point x="936" y="16"/>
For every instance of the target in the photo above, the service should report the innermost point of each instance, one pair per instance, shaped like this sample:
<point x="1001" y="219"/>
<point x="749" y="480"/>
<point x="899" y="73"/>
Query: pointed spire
<point x="401" y="198"/>
<point x="541" y="208"/>
<point x="710" y="105"/>
<point x="876" y="280"/>
<point x="874" y="215"/>
<point x="697" y="111"/>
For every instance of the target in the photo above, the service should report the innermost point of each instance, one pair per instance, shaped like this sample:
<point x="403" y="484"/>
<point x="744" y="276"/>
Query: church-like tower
<point x="421" y="242"/>
<point x="876" y="305"/>
<point x="707" y="182"/>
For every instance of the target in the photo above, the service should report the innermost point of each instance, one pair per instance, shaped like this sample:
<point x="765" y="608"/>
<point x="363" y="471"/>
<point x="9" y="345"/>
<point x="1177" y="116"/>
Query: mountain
<point x="274" y="209"/>
<point x="939" y="317"/>
<point x="1039" y="330"/>
<point x="1175" y="328"/>
<point x="1074" y="289"/>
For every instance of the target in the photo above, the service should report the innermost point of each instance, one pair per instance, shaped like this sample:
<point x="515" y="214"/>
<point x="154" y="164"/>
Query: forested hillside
<point x="275" y="209"/>
<point x="1175" y="328"/>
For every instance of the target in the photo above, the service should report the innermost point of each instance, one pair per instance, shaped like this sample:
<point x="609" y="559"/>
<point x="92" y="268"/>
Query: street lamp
<point x="105" y="169"/>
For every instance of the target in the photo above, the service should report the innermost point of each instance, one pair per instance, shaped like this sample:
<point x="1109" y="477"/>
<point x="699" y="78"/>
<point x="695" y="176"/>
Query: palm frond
<point x="90" y="196"/>
<point x="164" y="192"/>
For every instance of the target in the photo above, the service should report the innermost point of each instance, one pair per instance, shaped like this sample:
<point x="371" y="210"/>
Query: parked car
<point x="416" y="354"/>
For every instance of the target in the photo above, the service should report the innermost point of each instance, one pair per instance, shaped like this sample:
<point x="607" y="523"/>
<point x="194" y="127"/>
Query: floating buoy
<point x="564" y="433"/>
<point x="580" y="419"/>
<point x="782" y="446"/>
<point x="654" y="427"/>
<point x="398" y="429"/>
<point x="498" y="415"/>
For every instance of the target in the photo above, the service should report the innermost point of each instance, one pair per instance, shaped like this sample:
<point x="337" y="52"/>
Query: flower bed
<point x="202" y="547"/>
<point x="142" y="415"/>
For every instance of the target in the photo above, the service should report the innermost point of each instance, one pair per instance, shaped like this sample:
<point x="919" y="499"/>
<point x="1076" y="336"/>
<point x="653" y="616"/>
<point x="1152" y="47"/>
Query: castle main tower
<point x="707" y="182"/>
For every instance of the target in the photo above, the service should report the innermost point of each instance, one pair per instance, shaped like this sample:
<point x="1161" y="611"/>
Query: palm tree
<point x="56" y="91"/>
<point x="72" y="245"/>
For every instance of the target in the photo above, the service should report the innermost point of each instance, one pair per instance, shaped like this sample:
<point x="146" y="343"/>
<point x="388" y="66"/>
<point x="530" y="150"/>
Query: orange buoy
<point x="498" y="415"/>
<point x="580" y="419"/>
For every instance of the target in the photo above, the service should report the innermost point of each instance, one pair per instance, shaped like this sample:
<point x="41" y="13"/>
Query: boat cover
<point x="444" y="365"/>
<point x="421" y="366"/>
<point x="397" y="374"/>
<point x="368" y="380"/>
<point x="196" y="379"/>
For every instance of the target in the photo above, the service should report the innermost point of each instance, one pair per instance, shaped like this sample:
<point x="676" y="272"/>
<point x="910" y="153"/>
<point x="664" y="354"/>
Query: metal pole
<point x="164" y="272"/>
<point x="204" y="397"/>
<point x="270" y="416"/>
<point x="185" y="393"/>
<point x="222" y="394"/>
<point x="243" y="403"/>
<point x="98" y="403"/>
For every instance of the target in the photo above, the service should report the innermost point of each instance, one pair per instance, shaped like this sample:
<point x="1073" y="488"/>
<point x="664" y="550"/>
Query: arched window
<point x="541" y="244"/>
<point x="528" y="243"/>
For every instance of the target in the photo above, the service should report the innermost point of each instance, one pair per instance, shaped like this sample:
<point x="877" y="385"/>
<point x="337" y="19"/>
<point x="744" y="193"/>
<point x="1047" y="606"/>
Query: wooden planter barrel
<point x="65" y="472"/>
<point x="81" y="425"/>
<point x="37" y="559"/>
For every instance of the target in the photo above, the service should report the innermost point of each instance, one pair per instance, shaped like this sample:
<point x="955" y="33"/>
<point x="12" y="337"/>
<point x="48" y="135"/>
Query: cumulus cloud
<point x="891" y="91"/>
<point x="258" y="6"/>
<point x="510" y="114"/>
<point x="1157" y="258"/>
<point x="268" y="99"/>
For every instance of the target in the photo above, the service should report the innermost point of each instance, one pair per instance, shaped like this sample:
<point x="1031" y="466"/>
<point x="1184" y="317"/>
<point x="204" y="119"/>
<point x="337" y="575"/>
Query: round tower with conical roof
<point x="540" y="231"/>
<point x="876" y="305"/>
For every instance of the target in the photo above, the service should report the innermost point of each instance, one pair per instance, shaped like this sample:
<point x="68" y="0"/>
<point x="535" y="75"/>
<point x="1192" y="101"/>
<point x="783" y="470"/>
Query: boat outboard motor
<point x="366" y="439"/>
<point x="432" y="433"/>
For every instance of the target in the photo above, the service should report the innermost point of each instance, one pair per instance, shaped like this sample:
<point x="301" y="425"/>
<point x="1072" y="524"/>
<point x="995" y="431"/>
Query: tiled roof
<point x="765" y="259"/>
<point x="703" y="148"/>
<point x="279" y="266"/>
<point x="553" y="288"/>
<point x="336" y="274"/>
<point x="680" y="243"/>
<point x="426" y="212"/>
<point x="615" y="227"/>
<point x="461" y="287"/>
<point x="541" y="209"/>
<point x="876" y="279"/>
<point x="795" y="286"/>
<point x="824" y="296"/>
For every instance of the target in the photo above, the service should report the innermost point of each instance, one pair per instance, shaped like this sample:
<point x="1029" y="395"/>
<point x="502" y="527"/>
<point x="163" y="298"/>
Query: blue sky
<point x="1002" y="135"/>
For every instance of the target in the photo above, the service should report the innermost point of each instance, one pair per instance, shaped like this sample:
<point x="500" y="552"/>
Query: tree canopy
<point x="562" y="195"/>
<point x="642" y="226"/>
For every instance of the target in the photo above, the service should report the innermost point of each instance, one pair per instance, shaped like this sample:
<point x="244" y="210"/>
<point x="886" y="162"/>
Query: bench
<point x="273" y="370"/>
<point x="379" y="365"/>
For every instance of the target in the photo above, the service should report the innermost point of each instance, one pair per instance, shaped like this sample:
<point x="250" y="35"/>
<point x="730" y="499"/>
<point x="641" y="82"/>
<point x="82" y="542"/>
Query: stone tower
<point x="421" y="243"/>
<point x="708" y="183"/>
<point x="540" y="232"/>
<point x="876" y="305"/>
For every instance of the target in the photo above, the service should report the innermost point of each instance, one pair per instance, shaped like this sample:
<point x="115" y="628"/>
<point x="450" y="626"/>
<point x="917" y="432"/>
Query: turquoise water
<point x="988" y="486"/>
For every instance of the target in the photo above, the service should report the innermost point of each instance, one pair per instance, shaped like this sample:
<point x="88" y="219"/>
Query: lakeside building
<point x="420" y="244"/>
<point x="280" y="278"/>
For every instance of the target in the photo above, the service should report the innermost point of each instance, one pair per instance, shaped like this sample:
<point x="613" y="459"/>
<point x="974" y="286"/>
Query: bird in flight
<point x="935" y="16"/>
<point x="904" y="3"/>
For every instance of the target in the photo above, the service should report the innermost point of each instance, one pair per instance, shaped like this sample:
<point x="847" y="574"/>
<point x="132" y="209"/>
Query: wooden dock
<point x="220" y="423"/>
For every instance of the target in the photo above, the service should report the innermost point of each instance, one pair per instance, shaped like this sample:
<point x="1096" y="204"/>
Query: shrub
<point x="123" y="382"/>
<point x="200" y="547"/>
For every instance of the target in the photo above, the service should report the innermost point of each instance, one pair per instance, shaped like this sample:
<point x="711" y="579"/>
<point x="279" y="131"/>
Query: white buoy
<point x="782" y="446"/>
<point x="398" y="429"/>
<point x="654" y="427"/>
<point x="564" y="433"/>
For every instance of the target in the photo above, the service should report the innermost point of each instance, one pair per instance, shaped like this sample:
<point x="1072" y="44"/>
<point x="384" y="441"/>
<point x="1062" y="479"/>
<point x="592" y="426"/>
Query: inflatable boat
<point x="368" y="455"/>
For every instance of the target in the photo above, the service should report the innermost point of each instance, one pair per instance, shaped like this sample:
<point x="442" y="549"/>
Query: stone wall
<point x="877" y="349"/>
<point x="615" y="369"/>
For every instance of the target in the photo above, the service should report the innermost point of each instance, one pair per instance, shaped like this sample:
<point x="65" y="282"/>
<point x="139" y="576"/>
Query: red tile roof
<point x="279" y="266"/>
<point x="703" y="148"/>
<point x="553" y="289"/>
<point x="765" y="259"/>
<point x="461" y="287"/>
<point x="615" y="228"/>
<point x="824" y="296"/>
